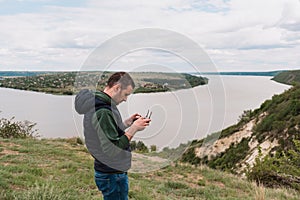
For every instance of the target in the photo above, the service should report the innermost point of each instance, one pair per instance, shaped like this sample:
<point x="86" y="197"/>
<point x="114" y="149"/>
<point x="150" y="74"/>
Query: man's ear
<point x="117" y="87"/>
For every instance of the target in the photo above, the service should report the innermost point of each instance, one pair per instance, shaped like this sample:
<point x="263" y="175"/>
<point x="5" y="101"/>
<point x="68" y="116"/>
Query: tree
<point x="133" y="145"/>
<point x="246" y="116"/>
<point x="141" y="147"/>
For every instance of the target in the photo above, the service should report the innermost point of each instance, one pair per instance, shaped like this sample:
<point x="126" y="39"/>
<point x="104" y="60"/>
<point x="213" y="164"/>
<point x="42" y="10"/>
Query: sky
<point x="237" y="35"/>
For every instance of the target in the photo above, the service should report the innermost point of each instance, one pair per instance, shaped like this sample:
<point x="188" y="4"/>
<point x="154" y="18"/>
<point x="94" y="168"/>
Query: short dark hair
<point x="120" y="77"/>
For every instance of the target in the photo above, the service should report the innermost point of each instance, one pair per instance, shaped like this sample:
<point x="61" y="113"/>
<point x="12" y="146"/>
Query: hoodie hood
<point x="87" y="100"/>
<point x="84" y="101"/>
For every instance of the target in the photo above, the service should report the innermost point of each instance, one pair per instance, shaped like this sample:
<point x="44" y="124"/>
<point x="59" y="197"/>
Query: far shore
<point x="69" y="83"/>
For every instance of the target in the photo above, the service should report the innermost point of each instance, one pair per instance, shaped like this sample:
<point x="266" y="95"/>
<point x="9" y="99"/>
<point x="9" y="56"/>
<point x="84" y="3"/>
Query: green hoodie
<point x="108" y="123"/>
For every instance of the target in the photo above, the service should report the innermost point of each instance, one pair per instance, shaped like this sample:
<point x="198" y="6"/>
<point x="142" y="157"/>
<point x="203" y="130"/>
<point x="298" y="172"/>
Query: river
<point x="177" y="117"/>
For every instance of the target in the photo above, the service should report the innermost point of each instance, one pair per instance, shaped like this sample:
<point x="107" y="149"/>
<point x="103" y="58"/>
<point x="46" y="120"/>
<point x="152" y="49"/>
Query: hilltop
<point x="63" y="169"/>
<point x="69" y="83"/>
<point x="263" y="146"/>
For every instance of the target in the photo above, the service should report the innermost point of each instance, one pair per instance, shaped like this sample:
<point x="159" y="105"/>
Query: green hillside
<point x="288" y="77"/>
<point x="264" y="145"/>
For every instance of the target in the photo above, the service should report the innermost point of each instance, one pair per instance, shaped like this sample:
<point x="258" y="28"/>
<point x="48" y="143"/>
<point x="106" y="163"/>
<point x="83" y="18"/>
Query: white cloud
<point x="239" y="34"/>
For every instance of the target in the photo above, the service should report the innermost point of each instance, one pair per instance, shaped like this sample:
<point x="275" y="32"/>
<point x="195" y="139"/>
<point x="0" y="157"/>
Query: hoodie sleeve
<point x="106" y="128"/>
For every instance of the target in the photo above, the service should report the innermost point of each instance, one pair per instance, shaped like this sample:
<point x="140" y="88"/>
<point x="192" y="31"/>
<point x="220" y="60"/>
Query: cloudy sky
<point x="238" y="35"/>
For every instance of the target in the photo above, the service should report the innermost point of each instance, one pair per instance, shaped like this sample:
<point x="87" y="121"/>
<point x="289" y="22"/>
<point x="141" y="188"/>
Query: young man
<point x="107" y="137"/>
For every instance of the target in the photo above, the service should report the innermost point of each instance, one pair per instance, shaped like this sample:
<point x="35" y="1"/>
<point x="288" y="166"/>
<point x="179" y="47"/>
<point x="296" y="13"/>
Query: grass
<point x="34" y="165"/>
<point x="63" y="169"/>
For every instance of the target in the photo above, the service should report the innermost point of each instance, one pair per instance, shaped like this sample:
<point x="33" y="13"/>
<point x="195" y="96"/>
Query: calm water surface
<point x="177" y="117"/>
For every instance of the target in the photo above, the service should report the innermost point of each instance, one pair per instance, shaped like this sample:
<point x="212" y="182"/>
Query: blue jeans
<point x="112" y="186"/>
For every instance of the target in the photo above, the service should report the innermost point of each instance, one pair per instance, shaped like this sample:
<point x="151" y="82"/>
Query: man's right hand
<point x="138" y="125"/>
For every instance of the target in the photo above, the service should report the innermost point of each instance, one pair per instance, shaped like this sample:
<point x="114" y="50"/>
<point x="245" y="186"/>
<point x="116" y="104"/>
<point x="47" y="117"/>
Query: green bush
<point x="280" y="170"/>
<point x="190" y="156"/>
<point x="153" y="148"/>
<point x="229" y="131"/>
<point x="246" y="116"/>
<point x="227" y="160"/>
<point x="266" y="124"/>
<point x="141" y="147"/>
<point x="17" y="129"/>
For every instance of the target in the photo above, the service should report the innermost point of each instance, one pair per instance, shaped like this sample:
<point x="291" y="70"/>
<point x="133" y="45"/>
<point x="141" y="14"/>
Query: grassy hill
<point x="288" y="77"/>
<point x="62" y="169"/>
<point x="264" y="145"/>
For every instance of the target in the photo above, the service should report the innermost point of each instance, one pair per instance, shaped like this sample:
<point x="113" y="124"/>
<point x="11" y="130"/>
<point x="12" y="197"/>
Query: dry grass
<point x="260" y="192"/>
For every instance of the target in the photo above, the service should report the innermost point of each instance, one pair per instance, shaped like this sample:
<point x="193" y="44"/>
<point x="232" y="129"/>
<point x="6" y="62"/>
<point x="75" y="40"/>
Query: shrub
<point x="190" y="156"/>
<point x="153" y="148"/>
<point x="246" y="116"/>
<point x="279" y="170"/>
<point x="133" y="145"/>
<point x="227" y="160"/>
<point x="141" y="147"/>
<point x="17" y="129"/>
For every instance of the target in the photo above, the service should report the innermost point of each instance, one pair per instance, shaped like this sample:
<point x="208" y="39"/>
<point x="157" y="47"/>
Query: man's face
<point x="122" y="94"/>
